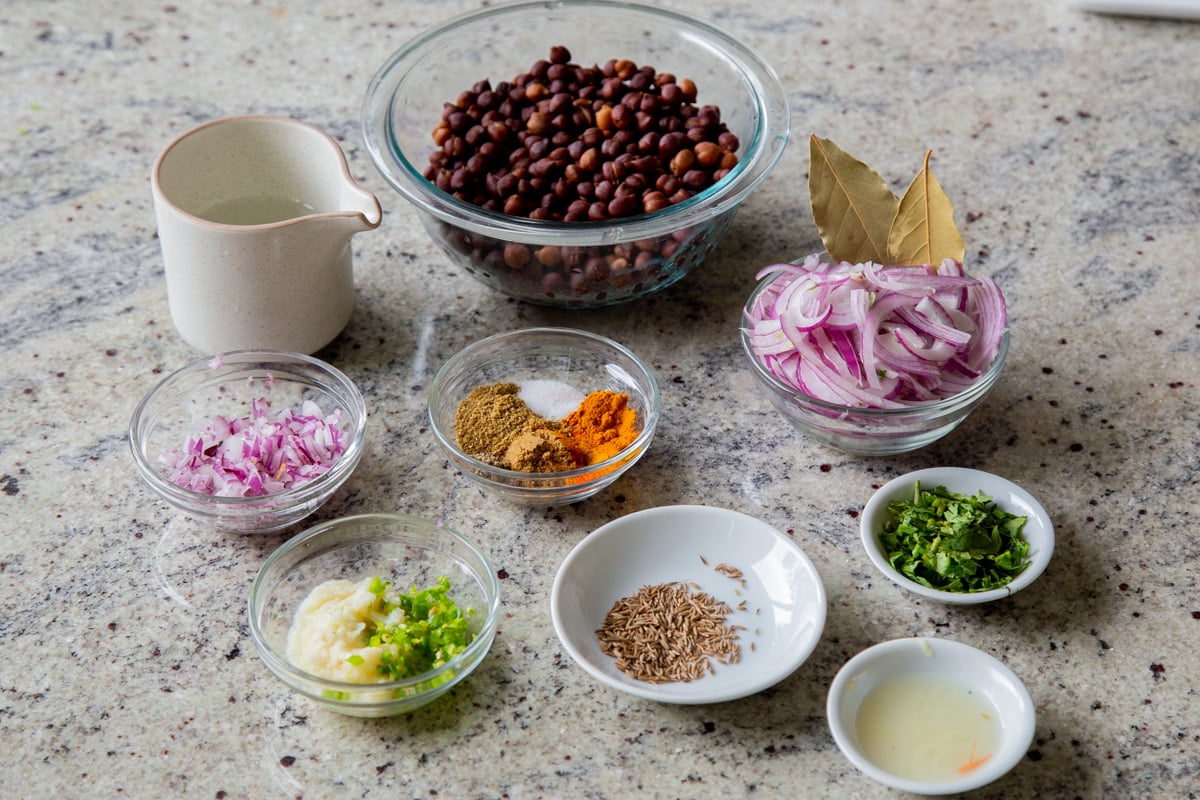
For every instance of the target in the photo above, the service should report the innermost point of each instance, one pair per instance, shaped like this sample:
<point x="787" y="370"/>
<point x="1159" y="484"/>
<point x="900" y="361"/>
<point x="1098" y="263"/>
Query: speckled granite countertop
<point x="1070" y="145"/>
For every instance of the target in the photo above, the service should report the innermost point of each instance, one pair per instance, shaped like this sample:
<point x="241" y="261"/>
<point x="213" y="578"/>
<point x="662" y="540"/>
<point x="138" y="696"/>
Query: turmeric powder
<point x="602" y="426"/>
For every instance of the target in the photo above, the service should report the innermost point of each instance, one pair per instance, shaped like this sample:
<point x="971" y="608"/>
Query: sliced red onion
<point x="872" y="336"/>
<point x="806" y="315"/>
<point x="930" y="318"/>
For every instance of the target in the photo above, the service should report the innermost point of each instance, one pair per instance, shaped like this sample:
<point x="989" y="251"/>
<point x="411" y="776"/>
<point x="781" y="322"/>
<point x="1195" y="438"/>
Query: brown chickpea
<point x="516" y="255"/>
<point x="708" y="154"/>
<point x="682" y="162"/>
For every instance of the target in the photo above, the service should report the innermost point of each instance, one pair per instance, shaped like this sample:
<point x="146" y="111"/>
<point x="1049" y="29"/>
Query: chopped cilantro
<point x="954" y="542"/>
<point x="417" y="631"/>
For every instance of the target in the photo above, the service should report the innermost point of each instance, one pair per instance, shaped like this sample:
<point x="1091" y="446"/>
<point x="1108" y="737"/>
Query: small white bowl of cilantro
<point x="957" y="536"/>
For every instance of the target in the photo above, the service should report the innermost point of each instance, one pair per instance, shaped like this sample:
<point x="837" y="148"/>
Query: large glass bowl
<point x="228" y="385"/>
<point x="408" y="551"/>
<point x="588" y="264"/>
<point x="868" y="431"/>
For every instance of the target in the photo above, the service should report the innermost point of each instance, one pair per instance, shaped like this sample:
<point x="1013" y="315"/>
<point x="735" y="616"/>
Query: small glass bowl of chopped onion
<point x="306" y="628"/>
<point x="554" y="368"/>
<point x="249" y="441"/>
<point x="888" y="415"/>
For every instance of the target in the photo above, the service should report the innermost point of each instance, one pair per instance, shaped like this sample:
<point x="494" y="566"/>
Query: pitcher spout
<point x="363" y="207"/>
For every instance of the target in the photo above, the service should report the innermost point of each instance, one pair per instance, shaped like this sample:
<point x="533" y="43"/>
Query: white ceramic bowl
<point x="784" y="597"/>
<point x="1038" y="530"/>
<point x="950" y="663"/>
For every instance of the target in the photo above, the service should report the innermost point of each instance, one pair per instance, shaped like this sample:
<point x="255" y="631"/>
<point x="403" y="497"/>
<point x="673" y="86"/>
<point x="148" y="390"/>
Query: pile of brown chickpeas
<point x="569" y="143"/>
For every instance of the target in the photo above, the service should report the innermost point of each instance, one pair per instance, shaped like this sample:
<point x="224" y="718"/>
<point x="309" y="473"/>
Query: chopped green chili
<point x="419" y="630"/>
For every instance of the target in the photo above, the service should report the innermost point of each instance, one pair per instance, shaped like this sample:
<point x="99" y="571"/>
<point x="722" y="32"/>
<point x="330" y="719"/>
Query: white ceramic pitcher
<point x="255" y="216"/>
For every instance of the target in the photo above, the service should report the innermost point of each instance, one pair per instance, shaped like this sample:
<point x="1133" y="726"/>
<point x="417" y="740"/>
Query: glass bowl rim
<point x="759" y="157"/>
<point x="501" y="474"/>
<point x="337" y="473"/>
<point x="282" y="667"/>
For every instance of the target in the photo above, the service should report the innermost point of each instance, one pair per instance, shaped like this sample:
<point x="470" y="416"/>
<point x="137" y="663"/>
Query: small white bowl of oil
<point x="930" y="716"/>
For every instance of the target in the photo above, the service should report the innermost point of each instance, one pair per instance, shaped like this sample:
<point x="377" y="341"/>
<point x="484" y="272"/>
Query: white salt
<point x="550" y="399"/>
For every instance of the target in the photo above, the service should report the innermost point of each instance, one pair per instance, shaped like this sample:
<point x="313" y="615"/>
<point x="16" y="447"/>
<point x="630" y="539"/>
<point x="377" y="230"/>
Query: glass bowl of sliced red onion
<point x="249" y="441"/>
<point x="939" y="345"/>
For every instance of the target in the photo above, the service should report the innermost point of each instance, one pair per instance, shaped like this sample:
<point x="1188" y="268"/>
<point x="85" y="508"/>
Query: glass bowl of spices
<point x="376" y="614"/>
<point x="544" y="416"/>
<point x="251" y="441"/>
<point x="576" y="154"/>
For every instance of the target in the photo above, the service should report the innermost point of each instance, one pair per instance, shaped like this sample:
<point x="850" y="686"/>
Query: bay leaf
<point x="923" y="231"/>
<point x="851" y="204"/>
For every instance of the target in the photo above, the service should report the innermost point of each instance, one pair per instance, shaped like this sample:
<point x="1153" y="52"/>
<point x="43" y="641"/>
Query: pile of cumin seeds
<point x="669" y="632"/>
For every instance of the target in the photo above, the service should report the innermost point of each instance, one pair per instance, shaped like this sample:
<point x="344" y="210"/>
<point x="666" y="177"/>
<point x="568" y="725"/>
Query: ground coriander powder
<point x="540" y="450"/>
<point x="488" y="420"/>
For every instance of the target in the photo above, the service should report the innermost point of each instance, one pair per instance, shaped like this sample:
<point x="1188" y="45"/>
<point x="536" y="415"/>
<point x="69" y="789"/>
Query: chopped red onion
<point x="258" y="455"/>
<point x="873" y="336"/>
